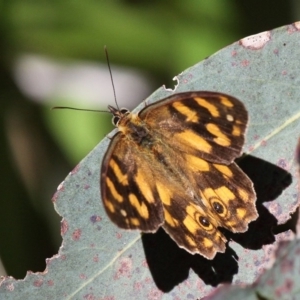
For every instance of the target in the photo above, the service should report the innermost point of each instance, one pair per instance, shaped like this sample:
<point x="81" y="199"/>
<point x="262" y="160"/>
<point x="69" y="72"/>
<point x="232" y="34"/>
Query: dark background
<point x="39" y="147"/>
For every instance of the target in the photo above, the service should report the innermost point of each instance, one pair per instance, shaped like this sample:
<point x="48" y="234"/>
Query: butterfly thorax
<point x="135" y="129"/>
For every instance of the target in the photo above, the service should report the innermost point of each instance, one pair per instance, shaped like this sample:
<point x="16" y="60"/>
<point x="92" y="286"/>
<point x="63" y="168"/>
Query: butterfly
<point x="172" y="166"/>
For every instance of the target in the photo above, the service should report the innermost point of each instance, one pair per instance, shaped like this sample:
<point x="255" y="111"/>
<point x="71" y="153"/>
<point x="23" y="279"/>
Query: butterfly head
<point x="118" y="114"/>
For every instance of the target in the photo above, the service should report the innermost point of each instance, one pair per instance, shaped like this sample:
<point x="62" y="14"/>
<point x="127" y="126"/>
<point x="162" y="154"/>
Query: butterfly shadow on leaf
<point x="170" y="264"/>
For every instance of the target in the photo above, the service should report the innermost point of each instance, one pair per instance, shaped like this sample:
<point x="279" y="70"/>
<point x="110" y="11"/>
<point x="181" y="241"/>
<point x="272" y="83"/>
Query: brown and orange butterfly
<point x="171" y="165"/>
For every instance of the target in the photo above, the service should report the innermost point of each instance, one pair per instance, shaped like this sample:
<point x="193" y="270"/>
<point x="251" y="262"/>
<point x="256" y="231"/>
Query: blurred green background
<point x="51" y="53"/>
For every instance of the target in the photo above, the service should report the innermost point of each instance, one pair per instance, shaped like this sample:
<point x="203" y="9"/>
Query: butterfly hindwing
<point x="225" y="191"/>
<point x="190" y="227"/>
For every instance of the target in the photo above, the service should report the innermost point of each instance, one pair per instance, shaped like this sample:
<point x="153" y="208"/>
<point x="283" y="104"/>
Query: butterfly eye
<point x="218" y="207"/>
<point x="124" y="111"/>
<point x="204" y="221"/>
<point x="115" y="120"/>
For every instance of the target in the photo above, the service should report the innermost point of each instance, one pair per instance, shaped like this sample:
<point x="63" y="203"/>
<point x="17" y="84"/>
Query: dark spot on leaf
<point x="76" y="234"/>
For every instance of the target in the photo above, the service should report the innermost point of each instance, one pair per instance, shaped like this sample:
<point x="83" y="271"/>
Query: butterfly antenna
<point x="113" y="86"/>
<point x="82" y="109"/>
<point x="112" y="81"/>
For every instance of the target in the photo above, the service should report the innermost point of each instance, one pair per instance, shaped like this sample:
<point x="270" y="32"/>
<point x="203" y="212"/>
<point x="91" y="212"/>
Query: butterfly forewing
<point x="127" y="187"/>
<point x="172" y="166"/>
<point x="207" y="124"/>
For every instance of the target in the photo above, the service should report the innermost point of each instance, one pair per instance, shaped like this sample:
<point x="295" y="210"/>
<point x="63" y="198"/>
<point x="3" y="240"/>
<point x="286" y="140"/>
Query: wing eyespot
<point x="218" y="207"/>
<point x="204" y="221"/>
